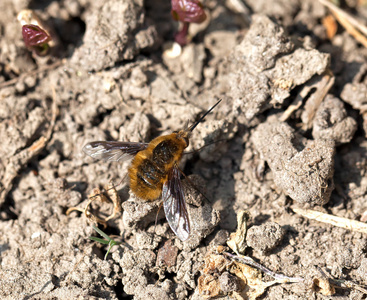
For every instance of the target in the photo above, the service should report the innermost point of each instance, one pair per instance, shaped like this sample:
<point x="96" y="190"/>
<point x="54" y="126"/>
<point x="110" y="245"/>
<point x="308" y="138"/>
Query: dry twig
<point x="280" y="278"/>
<point x="342" y="283"/>
<point x="314" y="101"/>
<point x="350" y="23"/>
<point x="322" y="86"/>
<point x="332" y="220"/>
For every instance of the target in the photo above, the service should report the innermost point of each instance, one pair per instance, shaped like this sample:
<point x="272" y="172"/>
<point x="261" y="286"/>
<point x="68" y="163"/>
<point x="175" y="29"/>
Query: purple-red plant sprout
<point x="190" y="11"/>
<point x="36" y="39"/>
<point x="181" y="36"/>
<point x="186" y="11"/>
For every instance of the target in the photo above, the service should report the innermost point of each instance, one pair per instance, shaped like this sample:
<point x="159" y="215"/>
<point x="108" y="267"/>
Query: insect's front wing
<point x="113" y="150"/>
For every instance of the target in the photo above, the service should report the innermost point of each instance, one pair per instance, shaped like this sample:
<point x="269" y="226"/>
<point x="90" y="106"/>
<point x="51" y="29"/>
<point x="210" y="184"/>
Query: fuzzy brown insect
<point x="154" y="171"/>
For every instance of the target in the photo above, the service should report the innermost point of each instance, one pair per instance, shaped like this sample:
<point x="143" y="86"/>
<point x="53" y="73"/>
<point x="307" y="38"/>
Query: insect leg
<point x="122" y="180"/>
<point x="156" y="219"/>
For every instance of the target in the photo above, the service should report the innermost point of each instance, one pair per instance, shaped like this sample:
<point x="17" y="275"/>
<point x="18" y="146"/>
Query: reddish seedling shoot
<point x="36" y="39"/>
<point x="187" y="11"/>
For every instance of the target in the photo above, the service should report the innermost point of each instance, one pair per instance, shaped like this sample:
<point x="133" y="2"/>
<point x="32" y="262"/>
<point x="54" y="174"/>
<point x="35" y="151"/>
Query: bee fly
<point x="154" y="171"/>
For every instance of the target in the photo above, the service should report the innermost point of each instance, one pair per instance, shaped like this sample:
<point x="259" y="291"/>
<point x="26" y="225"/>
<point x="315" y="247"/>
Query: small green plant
<point x="186" y="11"/>
<point x="107" y="241"/>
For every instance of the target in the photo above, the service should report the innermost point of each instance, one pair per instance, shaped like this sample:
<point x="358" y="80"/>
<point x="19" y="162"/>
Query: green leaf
<point x="106" y="241"/>
<point x="100" y="232"/>
<point x="102" y="241"/>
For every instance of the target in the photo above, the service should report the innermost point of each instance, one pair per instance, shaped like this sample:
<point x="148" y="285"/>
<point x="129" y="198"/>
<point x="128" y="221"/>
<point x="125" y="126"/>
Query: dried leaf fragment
<point x="251" y="279"/>
<point x="215" y="263"/>
<point x="323" y="286"/>
<point x="209" y="286"/>
<point x="208" y="282"/>
<point x="237" y="240"/>
<point x="330" y="25"/>
<point x="249" y="283"/>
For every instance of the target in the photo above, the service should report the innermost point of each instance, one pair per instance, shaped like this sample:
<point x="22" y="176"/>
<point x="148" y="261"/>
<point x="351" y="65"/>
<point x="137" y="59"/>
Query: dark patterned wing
<point x="113" y="151"/>
<point x="175" y="206"/>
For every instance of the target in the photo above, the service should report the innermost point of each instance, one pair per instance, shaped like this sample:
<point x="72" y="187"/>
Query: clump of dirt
<point x="332" y="122"/>
<point x="265" y="237"/>
<point x="290" y="131"/>
<point x="289" y="155"/>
